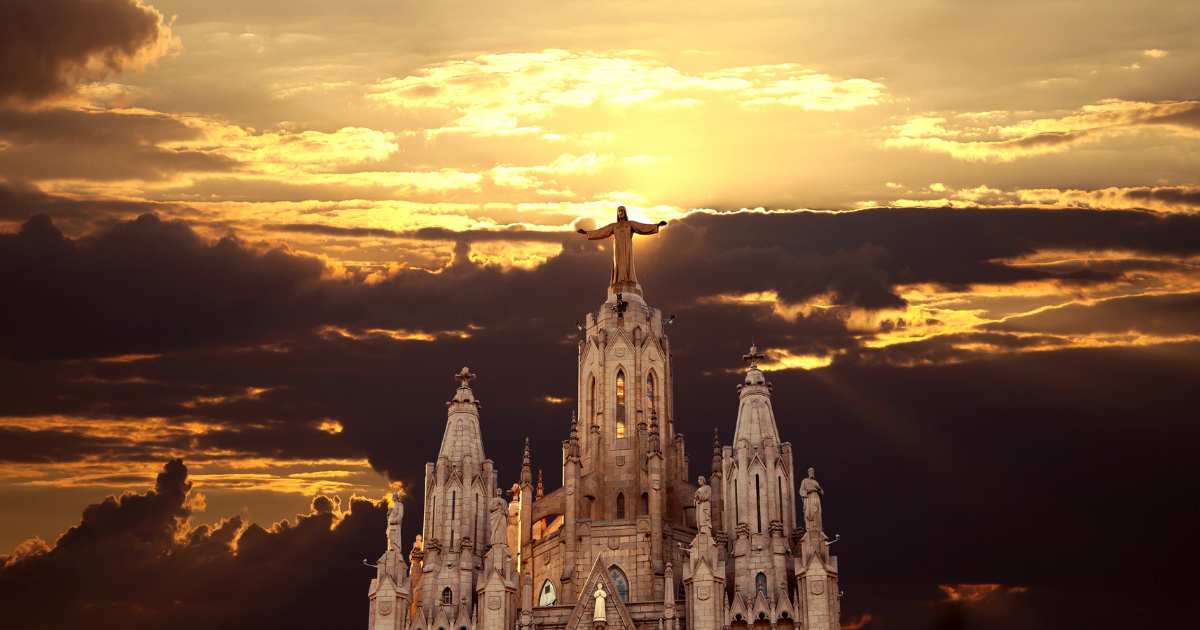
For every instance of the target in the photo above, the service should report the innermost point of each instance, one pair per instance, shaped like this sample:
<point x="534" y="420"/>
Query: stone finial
<point x="541" y="488"/>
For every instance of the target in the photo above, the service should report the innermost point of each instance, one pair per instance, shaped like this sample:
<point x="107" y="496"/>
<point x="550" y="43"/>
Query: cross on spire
<point x="753" y="357"/>
<point x="464" y="377"/>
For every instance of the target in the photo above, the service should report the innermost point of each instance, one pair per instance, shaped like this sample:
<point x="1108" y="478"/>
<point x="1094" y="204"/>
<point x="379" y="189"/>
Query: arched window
<point x="651" y="394"/>
<point x="620" y="581"/>
<point x="620" y="505"/>
<point x="645" y="504"/>
<point x="447" y="596"/>
<point x="547" y="596"/>
<point x="760" y="585"/>
<point x="620" y="404"/>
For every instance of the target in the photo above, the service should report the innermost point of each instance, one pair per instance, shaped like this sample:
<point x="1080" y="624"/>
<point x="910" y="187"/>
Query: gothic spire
<point x="526" y="465"/>
<point x="462" y="437"/>
<point x="756" y="419"/>
<point x="716" y="451"/>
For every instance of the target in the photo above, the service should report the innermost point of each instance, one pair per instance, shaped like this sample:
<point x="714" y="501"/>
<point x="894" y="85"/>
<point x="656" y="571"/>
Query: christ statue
<point x="624" y="278"/>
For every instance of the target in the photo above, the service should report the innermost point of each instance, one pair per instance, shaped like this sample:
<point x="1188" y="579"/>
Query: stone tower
<point x="459" y="492"/>
<point x="759" y="511"/>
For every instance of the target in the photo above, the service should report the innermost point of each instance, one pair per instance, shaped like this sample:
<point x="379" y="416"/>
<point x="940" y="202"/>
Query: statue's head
<point x="621" y="214"/>
<point x="700" y="480"/>
<point x="812" y="472"/>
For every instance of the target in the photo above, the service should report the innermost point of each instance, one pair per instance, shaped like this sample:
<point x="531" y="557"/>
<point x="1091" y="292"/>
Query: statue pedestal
<point x="704" y="581"/>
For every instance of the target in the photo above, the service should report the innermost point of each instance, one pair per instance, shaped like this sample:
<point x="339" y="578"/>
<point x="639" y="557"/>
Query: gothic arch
<point x="620" y="506"/>
<point x="620" y="581"/>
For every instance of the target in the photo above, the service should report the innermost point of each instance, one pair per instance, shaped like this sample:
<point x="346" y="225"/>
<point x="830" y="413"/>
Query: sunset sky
<point x="262" y="236"/>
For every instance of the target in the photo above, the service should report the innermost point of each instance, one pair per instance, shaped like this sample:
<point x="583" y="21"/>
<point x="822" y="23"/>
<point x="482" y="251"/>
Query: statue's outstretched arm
<point x="646" y="228"/>
<point x="600" y="233"/>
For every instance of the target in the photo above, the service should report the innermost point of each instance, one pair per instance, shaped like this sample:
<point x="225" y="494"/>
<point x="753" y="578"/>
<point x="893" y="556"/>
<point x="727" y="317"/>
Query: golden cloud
<point x="1001" y="136"/>
<point x="514" y="93"/>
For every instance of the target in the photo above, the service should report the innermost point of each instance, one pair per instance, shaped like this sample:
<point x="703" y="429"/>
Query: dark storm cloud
<point x="149" y="284"/>
<point x="1178" y="195"/>
<point x="1033" y="452"/>
<point x="99" y="145"/>
<point x="145" y="567"/>
<point x="50" y="45"/>
<point x="426" y="234"/>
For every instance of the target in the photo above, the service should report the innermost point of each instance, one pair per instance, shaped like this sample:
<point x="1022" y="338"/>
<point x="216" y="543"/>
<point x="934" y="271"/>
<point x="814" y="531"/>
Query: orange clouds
<point x="975" y="593"/>
<point x="514" y="93"/>
<point x="1004" y="136"/>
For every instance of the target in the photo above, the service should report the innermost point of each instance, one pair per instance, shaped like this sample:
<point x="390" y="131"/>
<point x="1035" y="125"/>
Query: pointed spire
<point x="526" y="465"/>
<point x="756" y="420"/>
<point x="716" y="452"/>
<point x="462" y="437"/>
<point x="541" y="487"/>
<point x="573" y="440"/>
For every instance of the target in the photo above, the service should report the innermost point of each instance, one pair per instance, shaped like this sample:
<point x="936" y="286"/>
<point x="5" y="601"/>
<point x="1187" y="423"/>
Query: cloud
<point x="1000" y="136"/>
<point x="515" y="93"/>
<point x="142" y="563"/>
<point x="51" y="46"/>
<point x="1181" y="198"/>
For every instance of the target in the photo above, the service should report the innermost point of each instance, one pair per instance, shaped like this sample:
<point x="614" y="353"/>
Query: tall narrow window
<point x="620" y="581"/>
<point x="453" y="515"/>
<point x="620" y="505"/>
<point x="475" y="527"/>
<point x="781" y="517"/>
<point x="620" y="404"/>
<point x="758" y="502"/>
<point x="592" y="402"/>
<point x="737" y="518"/>
<point x="651" y="395"/>
<point x="447" y="596"/>
<point x="760" y="585"/>
<point x="645" y="504"/>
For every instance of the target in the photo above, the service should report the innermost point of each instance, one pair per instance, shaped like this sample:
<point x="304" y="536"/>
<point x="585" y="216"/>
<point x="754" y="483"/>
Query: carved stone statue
<point x="498" y="520"/>
<point x="600" y="613"/>
<point x="624" y="276"/>
<point x="703" y="506"/>
<point x="394" y="519"/>
<point x="811" y="491"/>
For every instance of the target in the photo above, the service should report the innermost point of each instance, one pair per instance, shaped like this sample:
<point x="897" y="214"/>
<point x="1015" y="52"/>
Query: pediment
<point x="616" y="611"/>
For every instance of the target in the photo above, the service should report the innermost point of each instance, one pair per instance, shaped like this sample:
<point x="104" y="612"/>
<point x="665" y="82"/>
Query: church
<point x="630" y="540"/>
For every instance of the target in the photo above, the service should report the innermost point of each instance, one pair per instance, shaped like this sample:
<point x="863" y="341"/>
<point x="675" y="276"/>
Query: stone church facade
<point x="629" y="540"/>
